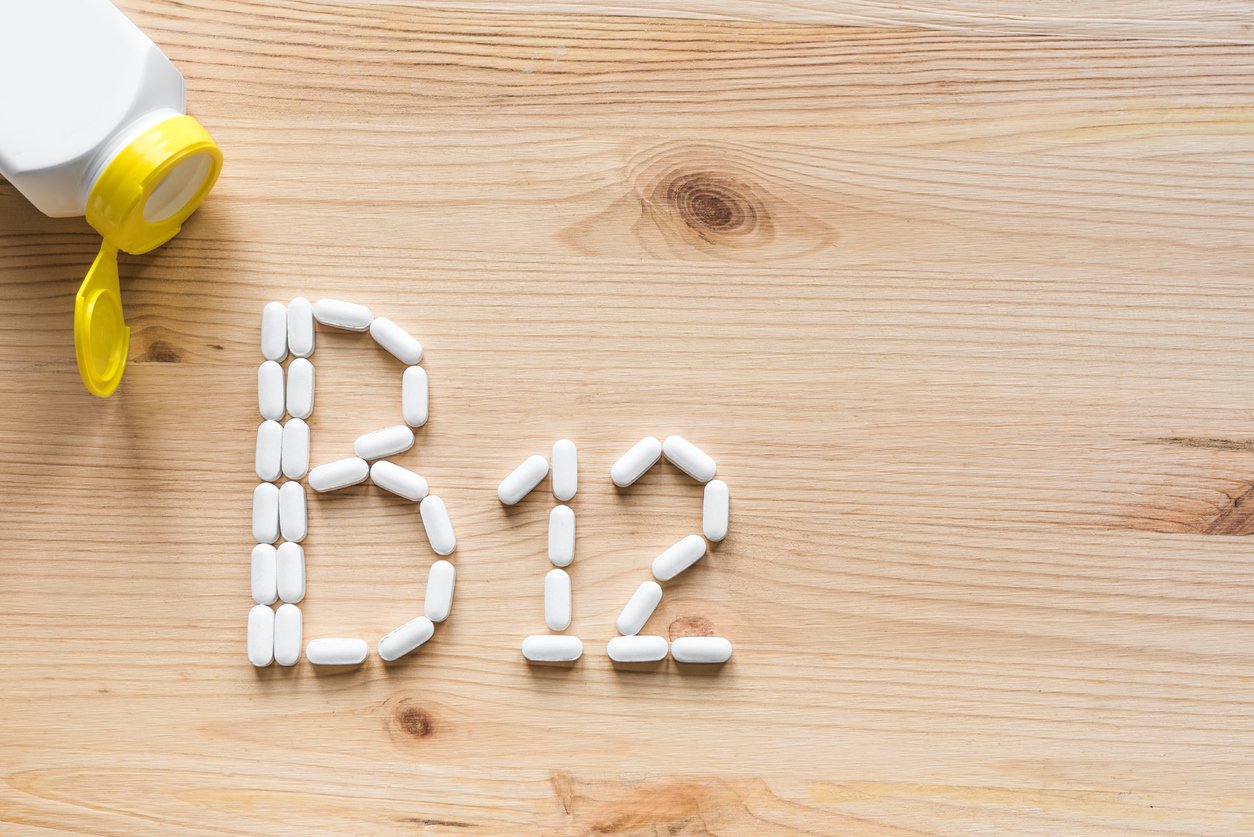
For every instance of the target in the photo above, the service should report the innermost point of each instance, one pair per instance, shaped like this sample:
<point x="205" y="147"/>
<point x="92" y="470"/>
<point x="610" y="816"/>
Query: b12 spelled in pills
<point x="285" y="401"/>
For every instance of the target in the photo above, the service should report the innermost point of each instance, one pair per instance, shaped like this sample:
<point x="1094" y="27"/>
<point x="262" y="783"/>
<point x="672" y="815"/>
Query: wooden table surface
<point x="956" y="293"/>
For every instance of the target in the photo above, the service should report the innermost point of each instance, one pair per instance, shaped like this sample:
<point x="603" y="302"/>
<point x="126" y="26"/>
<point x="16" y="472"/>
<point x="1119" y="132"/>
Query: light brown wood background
<point x="958" y="294"/>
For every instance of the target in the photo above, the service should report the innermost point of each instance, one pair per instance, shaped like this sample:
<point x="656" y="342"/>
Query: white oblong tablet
<point x="336" y="652"/>
<point x="266" y="513"/>
<point x="714" y="508"/>
<point x="565" y="469"/>
<point x="290" y="571"/>
<point x="300" y="329"/>
<point x="561" y="536"/>
<point x="295" y="449"/>
<point x="557" y="600"/>
<point x="637" y="649"/>
<point x="689" y="458"/>
<point x="264" y="578"/>
<point x="339" y="314"/>
<point x="269" y="458"/>
<point x="380" y="443"/>
<point x="400" y="343"/>
<point x="639" y="608"/>
<point x="632" y="464"/>
<point x="261" y="636"/>
<point x="523" y="479"/>
<point x="287" y="635"/>
<point x="270" y="396"/>
<point x="300" y="388"/>
<point x="406" y="638"/>
<point x="339" y="474"/>
<point x="678" y="558"/>
<point x="701" y="649"/>
<point x="414" y="396"/>
<point x="400" y="481"/>
<point x="439" y="527"/>
<point x="552" y="648"/>
<point x="439" y="599"/>
<point x="274" y="331"/>
<point x="293" y="518"/>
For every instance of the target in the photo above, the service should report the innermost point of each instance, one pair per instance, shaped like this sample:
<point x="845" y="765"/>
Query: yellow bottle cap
<point x="139" y="202"/>
<point x="101" y="336"/>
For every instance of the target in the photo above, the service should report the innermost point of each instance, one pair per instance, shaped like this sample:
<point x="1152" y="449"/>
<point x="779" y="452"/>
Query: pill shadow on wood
<point x="530" y="505"/>
<point x="628" y="669"/>
<point x="704" y="669"/>
<point x="407" y="664"/>
<point x="333" y="671"/>
<point x="551" y="670"/>
<point x="275" y="673"/>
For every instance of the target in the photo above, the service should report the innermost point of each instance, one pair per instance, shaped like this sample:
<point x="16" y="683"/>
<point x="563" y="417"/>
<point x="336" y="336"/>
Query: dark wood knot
<point x="717" y="206"/>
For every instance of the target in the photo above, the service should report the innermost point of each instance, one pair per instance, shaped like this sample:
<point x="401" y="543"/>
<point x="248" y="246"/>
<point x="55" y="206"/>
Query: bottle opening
<point x="177" y="188"/>
<point x="153" y="184"/>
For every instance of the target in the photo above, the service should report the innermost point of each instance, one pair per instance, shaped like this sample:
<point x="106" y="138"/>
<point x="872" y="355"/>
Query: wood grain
<point x="955" y="293"/>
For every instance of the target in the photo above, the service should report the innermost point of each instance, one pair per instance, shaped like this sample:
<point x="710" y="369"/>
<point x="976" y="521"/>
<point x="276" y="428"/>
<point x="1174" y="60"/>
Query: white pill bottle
<point x="92" y="124"/>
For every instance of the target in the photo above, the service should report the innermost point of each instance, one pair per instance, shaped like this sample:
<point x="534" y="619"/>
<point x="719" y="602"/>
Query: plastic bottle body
<point x="92" y="124"/>
<point x="78" y="82"/>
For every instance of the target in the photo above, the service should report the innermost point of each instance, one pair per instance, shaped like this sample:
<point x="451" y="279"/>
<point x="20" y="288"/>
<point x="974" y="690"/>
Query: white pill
<point x="557" y="600"/>
<point x="339" y="474"/>
<point x="714" y="510"/>
<point x="678" y="558"/>
<point x="290" y="569"/>
<point x="287" y="635"/>
<point x="637" y="649"/>
<point x="400" y="481"/>
<point x="405" y="639"/>
<point x="639" y="608"/>
<point x="689" y="458"/>
<point x="439" y="527"/>
<point x="439" y="600"/>
<point x="274" y="331"/>
<point x="561" y="536"/>
<point x="264" y="579"/>
<point x="414" y="396"/>
<point x="295" y="449"/>
<point x="522" y="479"/>
<point x="345" y="315"/>
<point x="269" y="458"/>
<point x="300" y="328"/>
<point x="266" y="513"/>
<point x="701" y="649"/>
<point x="270" y="390"/>
<point x="632" y="465"/>
<point x="380" y="443"/>
<point x="261" y="636"/>
<point x="552" y="648"/>
<point x="300" y="388"/>
<point x="565" y="469"/>
<point x="399" y="342"/>
<point x="293" y="520"/>
<point x="336" y="652"/>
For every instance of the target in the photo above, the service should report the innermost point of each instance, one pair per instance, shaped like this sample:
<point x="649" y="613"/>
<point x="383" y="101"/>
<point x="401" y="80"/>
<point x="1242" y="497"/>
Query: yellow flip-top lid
<point x="101" y="336"/>
<point x="139" y="202"/>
